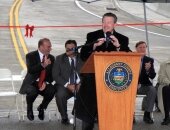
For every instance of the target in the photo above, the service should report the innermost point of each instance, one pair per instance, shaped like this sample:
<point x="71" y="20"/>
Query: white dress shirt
<point x="78" y="78"/>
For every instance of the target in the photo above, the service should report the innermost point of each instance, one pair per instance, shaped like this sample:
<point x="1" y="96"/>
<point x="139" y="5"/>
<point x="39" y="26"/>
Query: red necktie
<point x="42" y="75"/>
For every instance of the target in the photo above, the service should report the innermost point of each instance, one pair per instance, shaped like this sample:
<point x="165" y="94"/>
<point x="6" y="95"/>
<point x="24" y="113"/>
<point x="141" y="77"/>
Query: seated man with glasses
<point x="66" y="75"/>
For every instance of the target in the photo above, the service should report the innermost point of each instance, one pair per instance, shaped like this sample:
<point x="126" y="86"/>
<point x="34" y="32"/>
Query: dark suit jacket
<point x="34" y="69"/>
<point x="145" y="76"/>
<point x="92" y="37"/>
<point x="86" y="106"/>
<point x="62" y="69"/>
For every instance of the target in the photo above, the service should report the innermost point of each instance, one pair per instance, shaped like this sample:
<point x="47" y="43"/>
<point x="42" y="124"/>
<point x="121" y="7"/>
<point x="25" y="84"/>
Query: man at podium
<point x="105" y="39"/>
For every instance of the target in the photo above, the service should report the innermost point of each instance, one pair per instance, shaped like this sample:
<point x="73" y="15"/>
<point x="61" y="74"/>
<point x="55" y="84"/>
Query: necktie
<point x="72" y="74"/>
<point x="42" y="75"/>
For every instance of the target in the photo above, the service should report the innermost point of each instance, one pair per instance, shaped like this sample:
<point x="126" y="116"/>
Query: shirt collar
<point x="105" y="33"/>
<point x="72" y="58"/>
<point x="41" y="55"/>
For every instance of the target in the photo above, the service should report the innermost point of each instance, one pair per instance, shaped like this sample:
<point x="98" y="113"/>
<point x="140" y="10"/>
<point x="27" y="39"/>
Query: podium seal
<point x="118" y="76"/>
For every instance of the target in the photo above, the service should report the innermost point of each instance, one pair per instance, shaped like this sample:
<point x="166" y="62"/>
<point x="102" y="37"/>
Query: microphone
<point x="108" y="39"/>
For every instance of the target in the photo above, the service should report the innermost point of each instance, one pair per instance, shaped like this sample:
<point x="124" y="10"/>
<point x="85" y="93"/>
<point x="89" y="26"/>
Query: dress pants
<point x="33" y="92"/>
<point x="62" y="95"/>
<point x="86" y="105"/>
<point x="149" y="100"/>
<point x="87" y="125"/>
<point x="166" y="100"/>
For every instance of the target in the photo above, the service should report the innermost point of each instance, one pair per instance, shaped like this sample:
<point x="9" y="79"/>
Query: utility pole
<point x="146" y="27"/>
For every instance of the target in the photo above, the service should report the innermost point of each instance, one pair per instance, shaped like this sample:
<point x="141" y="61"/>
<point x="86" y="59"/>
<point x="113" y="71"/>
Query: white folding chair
<point x="23" y="73"/>
<point x="7" y="93"/>
<point x="52" y="108"/>
<point x="138" y="105"/>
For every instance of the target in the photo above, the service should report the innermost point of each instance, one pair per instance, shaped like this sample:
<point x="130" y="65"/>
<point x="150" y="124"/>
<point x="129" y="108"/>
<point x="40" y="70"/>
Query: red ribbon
<point x="29" y="31"/>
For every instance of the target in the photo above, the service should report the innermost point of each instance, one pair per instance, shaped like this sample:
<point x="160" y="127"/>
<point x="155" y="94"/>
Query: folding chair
<point x="7" y="91"/>
<point x="23" y="73"/>
<point x="138" y="105"/>
<point x="52" y="108"/>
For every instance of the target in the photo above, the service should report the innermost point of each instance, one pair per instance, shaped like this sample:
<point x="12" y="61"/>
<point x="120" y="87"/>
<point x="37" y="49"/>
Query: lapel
<point x="66" y="63"/>
<point x="49" y="66"/>
<point x="145" y="59"/>
<point x="78" y="63"/>
<point x="115" y="33"/>
<point x="143" y="62"/>
<point x="102" y="35"/>
<point x="37" y="56"/>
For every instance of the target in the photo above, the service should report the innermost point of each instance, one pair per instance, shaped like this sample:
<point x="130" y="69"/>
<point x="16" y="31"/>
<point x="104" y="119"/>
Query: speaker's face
<point x="108" y="24"/>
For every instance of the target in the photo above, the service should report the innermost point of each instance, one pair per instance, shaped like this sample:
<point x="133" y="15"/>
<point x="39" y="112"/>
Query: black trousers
<point x="166" y="100"/>
<point x="86" y="103"/>
<point x="87" y="125"/>
<point x="33" y="92"/>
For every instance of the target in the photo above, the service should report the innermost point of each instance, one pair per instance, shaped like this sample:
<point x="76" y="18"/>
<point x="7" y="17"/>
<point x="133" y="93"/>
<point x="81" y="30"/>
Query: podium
<point x="116" y="75"/>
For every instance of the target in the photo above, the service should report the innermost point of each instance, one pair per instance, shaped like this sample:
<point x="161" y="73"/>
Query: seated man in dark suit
<point x="105" y="39"/>
<point x="147" y="73"/>
<point x="39" y="78"/>
<point x="66" y="75"/>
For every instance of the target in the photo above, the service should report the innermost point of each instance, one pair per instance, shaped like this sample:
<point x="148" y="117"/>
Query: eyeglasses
<point x="69" y="49"/>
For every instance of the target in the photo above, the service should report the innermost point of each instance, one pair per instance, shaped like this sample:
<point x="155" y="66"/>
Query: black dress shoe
<point x="148" y="120"/>
<point x="41" y="113"/>
<point x="30" y="115"/>
<point x="65" y="121"/>
<point x="166" y="121"/>
<point x="134" y="120"/>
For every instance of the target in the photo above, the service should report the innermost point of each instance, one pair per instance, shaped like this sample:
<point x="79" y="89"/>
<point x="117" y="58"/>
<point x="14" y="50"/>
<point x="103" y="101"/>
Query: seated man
<point x="164" y="90"/>
<point x="39" y="78"/>
<point x="66" y="75"/>
<point x="147" y="73"/>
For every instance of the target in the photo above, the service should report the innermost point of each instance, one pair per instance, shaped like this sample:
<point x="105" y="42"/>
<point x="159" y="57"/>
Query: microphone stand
<point x="75" y="97"/>
<point x="75" y="74"/>
<point x="75" y="91"/>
